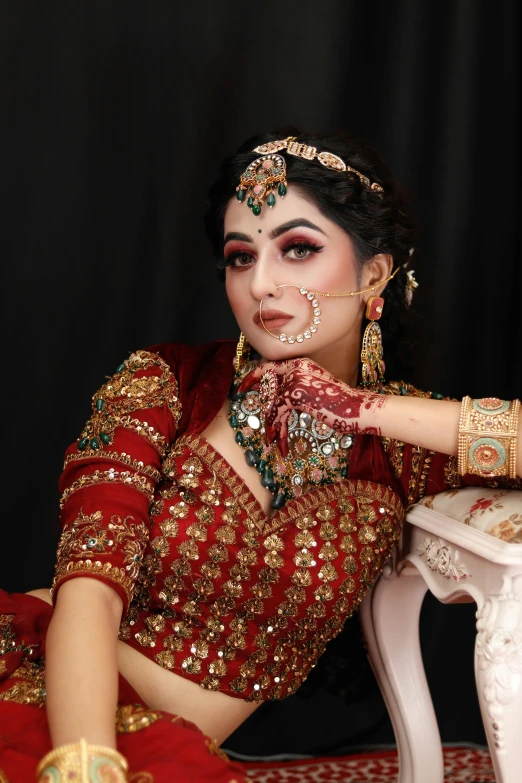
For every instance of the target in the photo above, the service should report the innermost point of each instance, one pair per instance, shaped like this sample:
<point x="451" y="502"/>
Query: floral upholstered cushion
<point x="497" y="512"/>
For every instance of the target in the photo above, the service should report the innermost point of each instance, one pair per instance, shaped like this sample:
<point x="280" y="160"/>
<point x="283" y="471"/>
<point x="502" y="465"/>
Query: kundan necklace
<point x="317" y="455"/>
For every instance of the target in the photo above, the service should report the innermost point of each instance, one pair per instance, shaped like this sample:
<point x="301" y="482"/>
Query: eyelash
<point x="313" y="248"/>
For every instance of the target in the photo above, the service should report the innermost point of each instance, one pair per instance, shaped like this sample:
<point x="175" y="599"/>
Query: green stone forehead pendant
<point x="259" y="181"/>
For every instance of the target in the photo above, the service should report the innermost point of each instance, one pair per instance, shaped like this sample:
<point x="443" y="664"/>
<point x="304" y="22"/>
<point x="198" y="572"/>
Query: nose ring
<point x="308" y="333"/>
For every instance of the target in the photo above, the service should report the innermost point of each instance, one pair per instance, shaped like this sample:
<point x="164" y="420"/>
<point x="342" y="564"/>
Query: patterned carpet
<point x="461" y="765"/>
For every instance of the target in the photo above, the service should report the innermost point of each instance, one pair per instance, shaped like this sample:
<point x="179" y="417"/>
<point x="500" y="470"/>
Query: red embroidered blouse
<point x="212" y="588"/>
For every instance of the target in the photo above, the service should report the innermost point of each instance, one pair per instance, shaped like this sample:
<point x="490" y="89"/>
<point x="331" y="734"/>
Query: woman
<point x="223" y="517"/>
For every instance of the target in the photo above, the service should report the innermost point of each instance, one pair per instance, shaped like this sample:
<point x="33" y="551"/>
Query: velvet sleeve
<point x="110" y="474"/>
<point x="423" y="472"/>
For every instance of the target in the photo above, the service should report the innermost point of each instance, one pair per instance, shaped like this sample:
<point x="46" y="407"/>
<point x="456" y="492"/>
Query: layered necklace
<point x="317" y="455"/>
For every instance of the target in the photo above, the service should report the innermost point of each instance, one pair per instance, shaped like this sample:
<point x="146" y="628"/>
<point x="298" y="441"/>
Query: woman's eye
<point x="300" y="252"/>
<point x="238" y="259"/>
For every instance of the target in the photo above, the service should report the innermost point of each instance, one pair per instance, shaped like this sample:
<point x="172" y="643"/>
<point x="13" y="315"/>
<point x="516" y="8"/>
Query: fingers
<point x="249" y="381"/>
<point x="282" y="445"/>
<point x="255" y="376"/>
<point x="276" y="430"/>
<point x="274" y="435"/>
<point x="270" y="433"/>
<point x="283" y="434"/>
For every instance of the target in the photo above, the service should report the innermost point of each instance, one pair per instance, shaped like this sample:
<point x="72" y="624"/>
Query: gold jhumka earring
<point x="372" y="361"/>
<point x="242" y="355"/>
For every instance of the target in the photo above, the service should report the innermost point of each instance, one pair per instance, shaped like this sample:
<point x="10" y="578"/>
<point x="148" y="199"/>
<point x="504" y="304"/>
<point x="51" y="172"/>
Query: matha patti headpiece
<point x="264" y="174"/>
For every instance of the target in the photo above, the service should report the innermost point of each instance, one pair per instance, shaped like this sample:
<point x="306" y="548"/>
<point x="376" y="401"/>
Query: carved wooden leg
<point x="390" y="622"/>
<point x="498" y="669"/>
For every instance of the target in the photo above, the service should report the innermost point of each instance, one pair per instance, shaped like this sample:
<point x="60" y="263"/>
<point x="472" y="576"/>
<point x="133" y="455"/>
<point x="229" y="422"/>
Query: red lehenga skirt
<point x="160" y="747"/>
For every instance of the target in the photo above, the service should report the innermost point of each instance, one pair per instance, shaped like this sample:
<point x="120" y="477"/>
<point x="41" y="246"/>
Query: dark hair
<point x="375" y="222"/>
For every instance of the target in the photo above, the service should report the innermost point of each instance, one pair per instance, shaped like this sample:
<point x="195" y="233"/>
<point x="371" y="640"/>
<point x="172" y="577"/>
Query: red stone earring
<point x="372" y="361"/>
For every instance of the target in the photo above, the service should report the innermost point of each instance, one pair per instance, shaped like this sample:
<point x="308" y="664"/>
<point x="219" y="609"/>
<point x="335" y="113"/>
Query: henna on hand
<point x="303" y="384"/>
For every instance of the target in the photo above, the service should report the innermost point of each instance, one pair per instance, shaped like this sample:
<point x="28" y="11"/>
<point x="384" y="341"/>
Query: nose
<point x="262" y="282"/>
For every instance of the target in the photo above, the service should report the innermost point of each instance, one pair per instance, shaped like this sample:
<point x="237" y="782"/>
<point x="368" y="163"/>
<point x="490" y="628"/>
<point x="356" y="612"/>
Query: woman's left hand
<point x="301" y="383"/>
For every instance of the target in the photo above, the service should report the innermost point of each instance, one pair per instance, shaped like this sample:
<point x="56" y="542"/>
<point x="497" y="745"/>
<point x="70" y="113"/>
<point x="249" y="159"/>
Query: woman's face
<point x="293" y="244"/>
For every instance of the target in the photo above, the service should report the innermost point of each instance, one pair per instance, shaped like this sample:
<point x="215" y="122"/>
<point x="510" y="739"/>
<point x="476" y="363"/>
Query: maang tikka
<point x="268" y="173"/>
<point x="259" y="181"/>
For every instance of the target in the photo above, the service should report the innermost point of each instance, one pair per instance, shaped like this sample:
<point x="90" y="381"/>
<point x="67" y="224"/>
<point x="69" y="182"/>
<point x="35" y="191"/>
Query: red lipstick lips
<point x="272" y="319"/>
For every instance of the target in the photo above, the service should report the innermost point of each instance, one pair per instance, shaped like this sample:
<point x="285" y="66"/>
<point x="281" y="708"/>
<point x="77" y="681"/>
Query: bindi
<point x="259" y="231"/>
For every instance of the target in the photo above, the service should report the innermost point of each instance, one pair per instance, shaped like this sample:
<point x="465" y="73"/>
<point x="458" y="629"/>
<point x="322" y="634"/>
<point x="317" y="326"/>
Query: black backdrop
<point x="115" y="116"/>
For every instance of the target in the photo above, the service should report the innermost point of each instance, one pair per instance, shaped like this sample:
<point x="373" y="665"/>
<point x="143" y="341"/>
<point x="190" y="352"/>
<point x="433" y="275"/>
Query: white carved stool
<point x="462" y="544"/>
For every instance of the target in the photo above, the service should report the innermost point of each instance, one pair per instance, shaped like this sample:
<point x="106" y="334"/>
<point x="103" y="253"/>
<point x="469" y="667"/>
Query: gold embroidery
<point x="327" y="531"/>
<point x="403" y="389"/>
<point x="417" y="458"/>
<point x="31" y="688"/>
<point x="134" y="717"/>
<point x="146" y="431"/>
<point x="451" y="474"/>
<point x="215" y="750"/>
<point x="348" y="544"/>
<point x="116" y="456"/>
<point x="160" y="546"/>
<point x="366" y="514"/>
<point x="289" y="513"/>
<point x="87" y="536"/>
<point x="7" y="635"/>
<point x="395" y="451"/>
<point x="127" y="391"/>
<point x="96" y="568"/>
<point x="111" y="476"/>
<point x="166" y="659"/>
<point x="425" y="472"/>
<point x="337" y="552"/>
<point x="326" y="513"/>
<point x="366" y="534"/>
<point x="395" y="448"/>
<point x="3" y="667"/>
<point x="8" y="639"/>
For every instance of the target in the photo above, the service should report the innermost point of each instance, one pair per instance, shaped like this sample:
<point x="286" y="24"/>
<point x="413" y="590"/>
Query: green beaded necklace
<point x="316" y="454"/>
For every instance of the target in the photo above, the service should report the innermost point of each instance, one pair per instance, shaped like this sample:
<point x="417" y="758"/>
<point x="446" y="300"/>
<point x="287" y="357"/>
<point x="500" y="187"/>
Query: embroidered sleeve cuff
<point x="111" y="575"/>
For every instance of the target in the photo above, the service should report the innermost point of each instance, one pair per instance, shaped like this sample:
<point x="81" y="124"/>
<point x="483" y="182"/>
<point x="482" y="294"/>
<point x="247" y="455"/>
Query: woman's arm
<point x="81" y="664"/>
<point x="431" y="424"/>
<point x="108" y="482"/>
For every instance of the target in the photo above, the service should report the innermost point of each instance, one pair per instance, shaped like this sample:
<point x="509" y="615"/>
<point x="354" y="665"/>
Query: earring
<point x="372" y="361"/>
<point x="242" y="354"/>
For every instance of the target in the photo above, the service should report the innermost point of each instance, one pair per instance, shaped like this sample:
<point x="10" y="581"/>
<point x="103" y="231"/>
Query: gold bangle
<point x="488" y="430"/>
<point x="78" y="759"/>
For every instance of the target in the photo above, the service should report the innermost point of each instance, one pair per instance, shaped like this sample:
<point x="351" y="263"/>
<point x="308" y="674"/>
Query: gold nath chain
<point x="364" y="290"/>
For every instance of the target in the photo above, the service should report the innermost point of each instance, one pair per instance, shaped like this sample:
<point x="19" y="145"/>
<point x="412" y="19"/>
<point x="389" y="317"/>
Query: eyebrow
<point x="276" y="232"/>
<point x="295" y="223"/>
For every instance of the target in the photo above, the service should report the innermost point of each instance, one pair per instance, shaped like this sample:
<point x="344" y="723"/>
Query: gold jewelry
<point x="364" y="290"/>
<point x="259" y="180"/>
<point x="261" y="176"/>
<point x="372" y="361"/>
<point x="488" y="430"/>
<point x="80" y="762"/>
<point x="243" y="347"/>
<point x="317" y="455"/>
<point x="268" y="390"/>
<point x="311" y="296"/>
<point x="307" y="334"/>
<point x="411" y="285"/>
